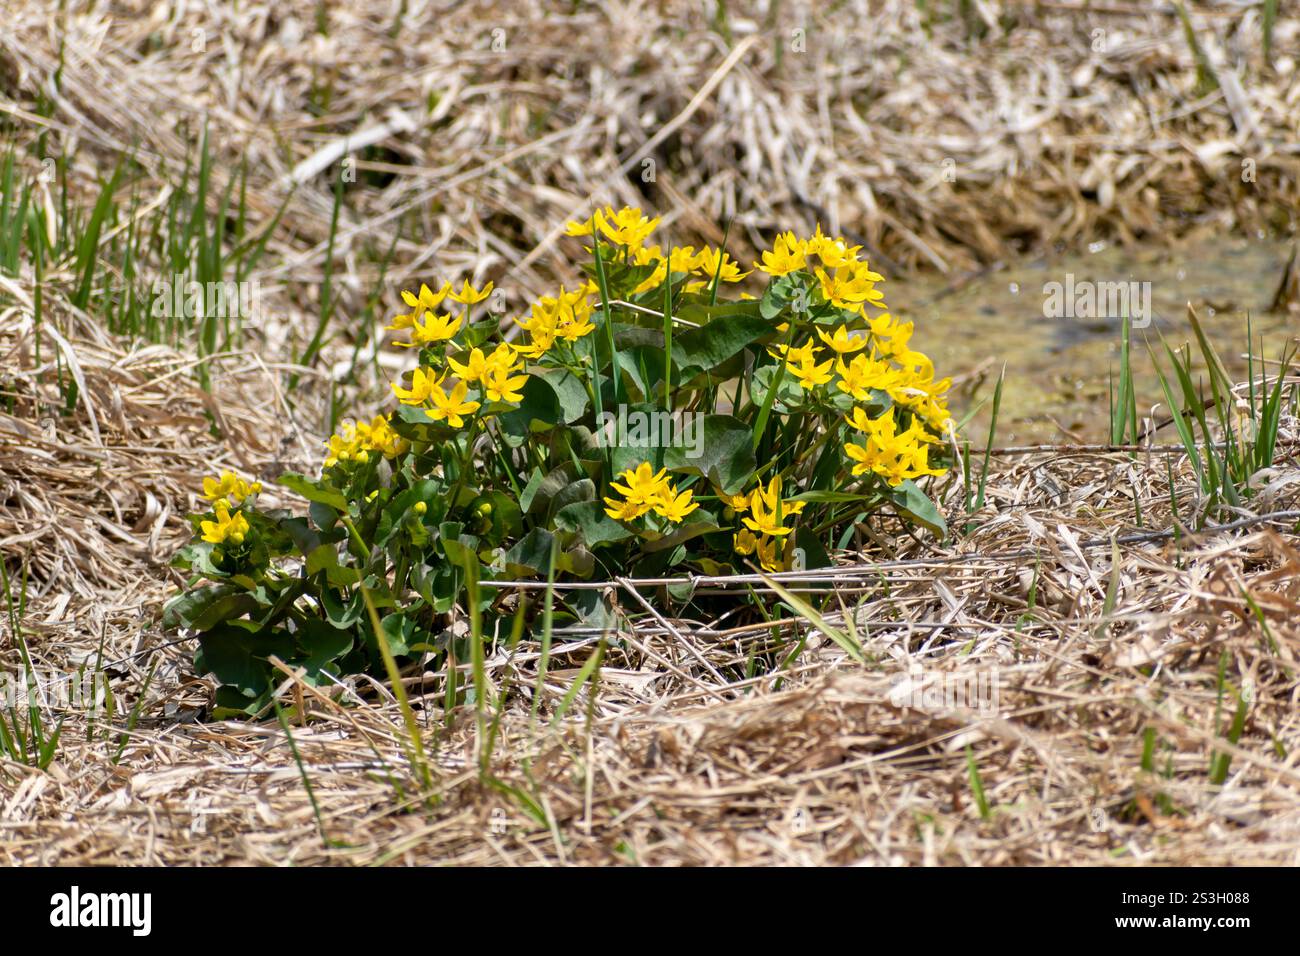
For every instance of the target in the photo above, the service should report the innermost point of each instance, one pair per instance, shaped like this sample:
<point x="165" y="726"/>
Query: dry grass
<point x="822" y="762"/>
<point x="674" y="761"/>
<point x="937" y="143"/>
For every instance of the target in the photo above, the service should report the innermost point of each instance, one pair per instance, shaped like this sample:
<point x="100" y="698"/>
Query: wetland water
<point x="1058" y="363"/>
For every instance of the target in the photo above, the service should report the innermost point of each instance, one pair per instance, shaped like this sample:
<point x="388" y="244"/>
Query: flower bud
<point x="420" y="507"/>
<point x="236" y="538"/>
<point x="485" y="508"/>
<point x="256" y="487"/>
<point x="362" y="457"/>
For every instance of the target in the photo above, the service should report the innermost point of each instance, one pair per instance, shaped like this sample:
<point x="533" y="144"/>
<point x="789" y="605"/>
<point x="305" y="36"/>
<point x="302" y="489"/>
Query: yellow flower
<point x="540" y="342"/>
<point x="850" y="286"/>
<point x="426" y="301"/>
<point x="627" y="227"/>
<point x="432" y="328"/>
<point x="451" y="408"/>
<point x="737" y="503"/>
<point x="227" y="527"/>
<point x="891" y="337"/>
<point x="886" y="452"/>
<point x="682" y="259"/>
<point x="501" y="386"/>
<point x="479" y="366"/>
<point x="810" y="375"/>
<point x="803" y="355"/>
<point x="643" y="490"/>
<point x="745" y="543"/>
<point x="423" y="382"/>
<point x="645" y="256"/>
<point x="842" y="342"/>
<point x="378" y="435"/>
<point x="767" y="512"/>
<point x="673" y="506"/>
<point x="342" y="447"/>
<point x="574" y="324"/>
<point x="706" y="264"/>
<point x="565" y="316"/>
<point x="229" y="485"/>
<point x="624" y="510"/>
<point x="925" y="398"/>
<point x="863" y="374"/>
<point x="832" y="252"/>
<point x="768" y="557"/>
<point x="787" y="255"/>
<point x="355" y="442"/>
<point x="468" y="295"/>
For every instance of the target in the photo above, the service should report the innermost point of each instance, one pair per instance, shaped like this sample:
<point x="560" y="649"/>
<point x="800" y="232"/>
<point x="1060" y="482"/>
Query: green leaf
<point x="712" y="344"/>
<point x="539" y="410"/>
<point x="239" y="659"/>
<point x="569" y="392"/>
<point x="828" y="497"/>
<point x="696" y="524"/>
<point x="326" y="558"/>
<point x="546" y="490"/>
<point x="588" y="518"/>
<point x="205" y="607"/>
<point x="584" y="489"/>
<point x="458" y="546"/>
<point x="777" y="297"/>
<point x="316" y="491"/>
<point x="339" y="613"/>
<point x="531" y="556"/>
<point x="324" y="645"/>
<point x="530" y="490"/>
<point x="719" y="447"/>
<point x="913" y="503"/>
<point x="788" y="393"/>
<point x="812" y="549"/>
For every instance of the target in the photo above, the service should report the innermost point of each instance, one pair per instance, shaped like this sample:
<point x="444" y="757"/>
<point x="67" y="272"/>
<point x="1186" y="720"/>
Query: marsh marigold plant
<point x="801" y="414"/>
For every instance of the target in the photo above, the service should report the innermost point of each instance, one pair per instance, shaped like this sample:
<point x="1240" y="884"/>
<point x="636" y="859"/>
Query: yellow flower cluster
<point x="495" y="373"/>
<point x="228" y="528"/>
<point x="566" y="316"/>
<point x="630" y="228"/>
<point x="846" y="281"/>
<point x="627" y="227"/>
<point x="763" y="514"/>
<point x="874" y="357"/>
<point x="355" y="442"/>
<point x="684" y="259"/>
<point x="886" y="452"/>
<point x="802" y="363"/>
<point x="643" y="491"/>
<point x="427" y="327"/>
<point x="229" y="486"/>
<point x="774" y="554"/>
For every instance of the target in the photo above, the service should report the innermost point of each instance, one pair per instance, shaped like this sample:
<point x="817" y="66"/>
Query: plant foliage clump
<point x="643" y="423"/>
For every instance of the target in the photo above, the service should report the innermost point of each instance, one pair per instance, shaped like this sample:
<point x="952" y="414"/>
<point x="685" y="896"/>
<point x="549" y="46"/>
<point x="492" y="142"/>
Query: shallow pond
<point x="1058" y="358"/>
